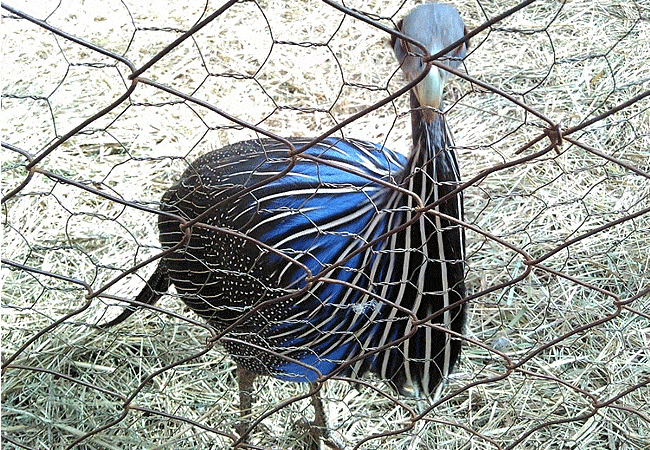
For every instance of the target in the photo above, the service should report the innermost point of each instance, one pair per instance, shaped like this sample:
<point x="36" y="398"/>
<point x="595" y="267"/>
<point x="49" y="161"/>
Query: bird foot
<point x="315" y="435"/>
<point x="242" y="429"/>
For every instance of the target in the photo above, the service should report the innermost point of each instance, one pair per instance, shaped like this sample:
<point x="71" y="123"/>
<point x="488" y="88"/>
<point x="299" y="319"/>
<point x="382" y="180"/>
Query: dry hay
<point x="567" y="61"/>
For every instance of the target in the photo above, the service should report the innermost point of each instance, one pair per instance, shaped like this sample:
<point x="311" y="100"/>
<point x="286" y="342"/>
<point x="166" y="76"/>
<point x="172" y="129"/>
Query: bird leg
<point x="320" y="420"/>
<point x="245" y="380"/>
<point x="318" y="429"/>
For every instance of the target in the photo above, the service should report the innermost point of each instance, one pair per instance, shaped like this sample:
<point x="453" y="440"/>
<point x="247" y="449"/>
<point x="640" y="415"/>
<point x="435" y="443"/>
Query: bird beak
<point x="429" y="91"/>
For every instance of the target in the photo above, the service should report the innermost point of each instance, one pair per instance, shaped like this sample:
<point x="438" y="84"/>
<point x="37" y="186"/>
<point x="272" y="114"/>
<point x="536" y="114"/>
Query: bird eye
<point x="406" y="48"/>
<point x="465" y="31"/>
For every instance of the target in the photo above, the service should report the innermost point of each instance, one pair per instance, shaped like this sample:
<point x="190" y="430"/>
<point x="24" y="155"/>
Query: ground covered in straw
<point x="557" y="359"/>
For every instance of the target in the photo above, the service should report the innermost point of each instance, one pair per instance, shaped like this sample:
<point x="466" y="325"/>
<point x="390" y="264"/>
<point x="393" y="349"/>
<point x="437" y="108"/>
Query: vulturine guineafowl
<point x="270" y="224"/>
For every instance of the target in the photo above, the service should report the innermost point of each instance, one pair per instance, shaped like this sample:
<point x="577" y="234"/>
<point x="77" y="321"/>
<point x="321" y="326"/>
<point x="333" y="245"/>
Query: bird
<point x="336" y="259"/>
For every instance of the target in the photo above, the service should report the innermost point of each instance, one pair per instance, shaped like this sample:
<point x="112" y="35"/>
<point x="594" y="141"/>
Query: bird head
<point x="435" y="26"/>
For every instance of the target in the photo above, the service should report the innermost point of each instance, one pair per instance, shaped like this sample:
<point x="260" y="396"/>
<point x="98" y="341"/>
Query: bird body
<point x="314" y="214"/>
<point x="333" y="205"/>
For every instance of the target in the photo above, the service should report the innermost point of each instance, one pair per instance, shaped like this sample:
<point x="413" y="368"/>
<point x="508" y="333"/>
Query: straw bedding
<point x="583" y="377"/>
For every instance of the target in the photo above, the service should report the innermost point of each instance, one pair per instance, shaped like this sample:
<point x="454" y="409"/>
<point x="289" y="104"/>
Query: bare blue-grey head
<point x="435" y="26"/>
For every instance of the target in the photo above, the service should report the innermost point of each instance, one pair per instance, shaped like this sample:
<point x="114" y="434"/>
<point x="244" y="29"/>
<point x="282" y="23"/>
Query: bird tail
<point x="155" y="287"/>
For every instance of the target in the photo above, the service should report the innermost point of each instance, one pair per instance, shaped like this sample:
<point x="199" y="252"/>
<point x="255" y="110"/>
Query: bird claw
<point x="242" y="429"/>
<point x="316" y="435"/>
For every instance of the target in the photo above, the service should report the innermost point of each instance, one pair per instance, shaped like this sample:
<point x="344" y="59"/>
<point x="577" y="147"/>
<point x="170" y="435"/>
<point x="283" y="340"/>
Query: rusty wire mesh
<point x="105" y="103"/>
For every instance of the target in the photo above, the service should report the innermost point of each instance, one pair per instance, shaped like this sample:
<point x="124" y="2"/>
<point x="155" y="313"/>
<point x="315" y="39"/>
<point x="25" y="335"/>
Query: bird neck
<point x="430" y="142"/>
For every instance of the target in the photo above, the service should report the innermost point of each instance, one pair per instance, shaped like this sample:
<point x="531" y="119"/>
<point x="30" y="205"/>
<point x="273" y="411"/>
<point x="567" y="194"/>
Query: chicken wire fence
<point x="106" y="103"/>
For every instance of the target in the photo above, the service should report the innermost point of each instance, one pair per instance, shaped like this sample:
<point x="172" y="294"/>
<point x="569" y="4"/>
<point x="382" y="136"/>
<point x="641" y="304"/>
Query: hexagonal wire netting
<point x="105" y="104"/>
